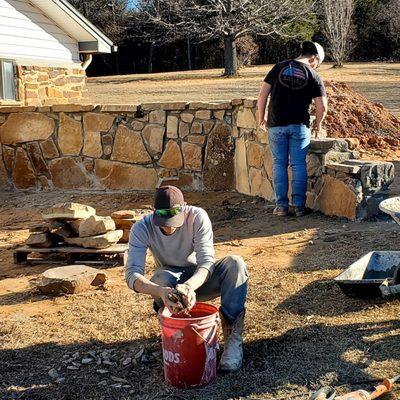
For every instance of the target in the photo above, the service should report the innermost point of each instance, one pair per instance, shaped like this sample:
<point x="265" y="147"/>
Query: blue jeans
<point x="290" y="143"/>
<point x="228" y="280"/>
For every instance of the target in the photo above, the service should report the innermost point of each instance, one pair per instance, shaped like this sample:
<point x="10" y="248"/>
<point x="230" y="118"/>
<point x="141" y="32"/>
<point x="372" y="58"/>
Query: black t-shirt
<point x="294" y="85"/>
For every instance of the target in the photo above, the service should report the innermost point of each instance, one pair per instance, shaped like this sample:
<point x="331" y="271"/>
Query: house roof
<point x="69" y="19"/>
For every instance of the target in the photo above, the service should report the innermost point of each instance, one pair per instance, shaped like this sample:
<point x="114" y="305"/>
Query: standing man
<point x="180" y="237"/>
<point x="292" y="84"/>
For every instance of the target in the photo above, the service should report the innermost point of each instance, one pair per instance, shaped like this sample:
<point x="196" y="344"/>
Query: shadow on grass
<point x="324" y="298"/>
<point x="285" y="367"/>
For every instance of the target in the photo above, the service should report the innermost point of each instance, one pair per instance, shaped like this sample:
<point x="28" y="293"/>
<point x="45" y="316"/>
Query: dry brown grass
<point x="301" y="331"/>
<point x="379" y="82"/>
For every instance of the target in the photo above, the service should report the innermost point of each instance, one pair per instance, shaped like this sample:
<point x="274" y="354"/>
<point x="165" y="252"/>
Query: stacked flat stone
<point x="125" y="219"/>
<point x="75" y="224"/>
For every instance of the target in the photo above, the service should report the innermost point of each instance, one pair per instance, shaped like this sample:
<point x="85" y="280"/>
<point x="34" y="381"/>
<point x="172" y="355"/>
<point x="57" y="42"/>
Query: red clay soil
<point x="352" y="115"/>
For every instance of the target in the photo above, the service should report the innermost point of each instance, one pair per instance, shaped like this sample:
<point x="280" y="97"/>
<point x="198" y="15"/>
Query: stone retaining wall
<point x="197" y="146"/>
<point x="41" y="86"/>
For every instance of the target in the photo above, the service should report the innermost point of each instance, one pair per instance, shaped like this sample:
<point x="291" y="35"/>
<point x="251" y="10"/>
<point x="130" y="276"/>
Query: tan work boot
<point x="232" y="356"/>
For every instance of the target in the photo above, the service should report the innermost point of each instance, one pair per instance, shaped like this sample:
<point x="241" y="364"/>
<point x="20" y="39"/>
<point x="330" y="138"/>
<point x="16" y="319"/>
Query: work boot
<point x="232" y="357"/>
<point x="281" y="211"/>
<point x="300" y="211"/>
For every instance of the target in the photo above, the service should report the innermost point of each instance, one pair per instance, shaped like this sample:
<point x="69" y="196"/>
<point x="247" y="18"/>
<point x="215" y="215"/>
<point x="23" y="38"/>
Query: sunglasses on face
<point x="168" y="212"/>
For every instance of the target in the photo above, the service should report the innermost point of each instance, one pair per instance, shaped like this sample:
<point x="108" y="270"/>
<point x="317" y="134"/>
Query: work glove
<point x="188" y="295"/>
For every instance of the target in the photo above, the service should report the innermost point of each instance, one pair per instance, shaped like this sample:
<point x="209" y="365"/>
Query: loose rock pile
<point x="78" y="224"/>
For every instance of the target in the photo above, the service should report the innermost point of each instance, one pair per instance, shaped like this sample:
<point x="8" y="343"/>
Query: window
<point x="7" y="80"/>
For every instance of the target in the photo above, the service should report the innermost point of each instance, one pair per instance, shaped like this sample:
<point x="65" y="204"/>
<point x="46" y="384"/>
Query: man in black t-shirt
<point x="292" y="86"/>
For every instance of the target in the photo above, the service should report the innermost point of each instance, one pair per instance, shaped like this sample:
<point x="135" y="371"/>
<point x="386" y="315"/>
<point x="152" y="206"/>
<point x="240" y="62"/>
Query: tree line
<point x="169" y="35"/>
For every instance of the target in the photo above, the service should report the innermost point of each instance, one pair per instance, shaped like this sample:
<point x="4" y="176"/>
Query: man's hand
<point x="262" y="125"/>
<point x="165" y="294"/>
<point x="188" y="295"/>
<point x="316" y="129"/>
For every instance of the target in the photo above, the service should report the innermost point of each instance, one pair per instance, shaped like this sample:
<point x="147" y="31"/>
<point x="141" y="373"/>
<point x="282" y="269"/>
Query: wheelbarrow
<point x="377" y="274"/>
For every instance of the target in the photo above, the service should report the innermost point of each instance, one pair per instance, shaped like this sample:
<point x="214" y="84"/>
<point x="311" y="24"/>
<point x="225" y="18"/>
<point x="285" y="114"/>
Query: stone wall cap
<point x="343" y="167"/>
<point x="216" y="105"/>
<point x="16" y="109"/>
<point x="164" y="106"/>
<point x="73" y="107"/>
<point x="118" y="108"/>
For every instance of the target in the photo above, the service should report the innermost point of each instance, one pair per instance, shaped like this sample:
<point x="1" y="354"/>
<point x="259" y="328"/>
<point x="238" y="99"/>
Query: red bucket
<point x="190" y="346"/>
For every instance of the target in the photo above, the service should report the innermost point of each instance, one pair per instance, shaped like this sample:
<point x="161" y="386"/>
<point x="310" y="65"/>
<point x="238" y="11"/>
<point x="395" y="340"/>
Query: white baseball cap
<point x="314" y="48"/>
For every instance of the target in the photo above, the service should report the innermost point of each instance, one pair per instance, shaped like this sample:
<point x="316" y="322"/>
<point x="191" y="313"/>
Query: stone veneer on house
<point x="197" y="146"/>
<point x="41" y="86"/>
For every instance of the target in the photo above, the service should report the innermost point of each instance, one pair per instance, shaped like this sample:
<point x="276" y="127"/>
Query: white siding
<point x="26" y="33"/>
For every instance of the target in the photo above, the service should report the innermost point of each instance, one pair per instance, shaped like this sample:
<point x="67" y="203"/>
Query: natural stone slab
<point x="336" y="199"/>
<point x="157" y="117"/>
<point x="125" y="236"/>
<point x="376" y="176"/>
<point x="172" y="156"/>
<point x="73" y="107"/>
<point x="124" y="223"/>
<point x="70" y="138"/>
<point x="196" y="139"/>
<point x="237" y="102"/>
<point x="219" y="114"/>
<point x="62" y="229"/>
<point x="70" y="279"/>
<point x="68" y="211"/>
<point x="314" y="165"/>
<point x="347" y="169"/>
<point x="210" y="106"/>
<point x="172" y="126"/>
<point x="92" y="146"/>
<point x="4" y="181"/>
<point x="250" y="103"/>
<point x="192" y="156"/>
<point x="123" y="214"/>
<point x="97" y="242"/>
<point x="203" y="114"/>
<point x="118" y="176"/>
<point x="8" y="157"/>
<point x="75" y="224"/>
<point x="96" y="225"/>
<point x="95" y="122"/>
<point x="36" y="157"/>
<point x="329" y="144"/>
<point x="164" y="106"/>
<point x="154" y="136"/>
<point x="26" y="127"/>
<point x="219" y="171"/>
<point x="187" y="117"/>
<point x="184" y="129"/>
<point x="49" y="149"/>
<point x="129" y="147"/>
<point x="255" y="155"/>
<point x="66" y="173"/>
<point x="23" y="174"/>
<point x="246" y="119"/>
<point x="196" y="128"/>
<point x="241" y="169"/>
<point x="207" y="126"/>
<point x="119" y="108"/>
<point x="39" y="228"/>
<point x="17" y="109"/>
<point x="41" y="240"/>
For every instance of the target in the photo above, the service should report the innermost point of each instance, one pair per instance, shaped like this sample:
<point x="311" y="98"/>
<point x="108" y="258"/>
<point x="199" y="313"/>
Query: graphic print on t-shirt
<point x="294" y="76"/>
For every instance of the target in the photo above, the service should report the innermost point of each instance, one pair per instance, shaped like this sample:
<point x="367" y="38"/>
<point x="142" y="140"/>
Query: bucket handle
<point x="195" y="328"/>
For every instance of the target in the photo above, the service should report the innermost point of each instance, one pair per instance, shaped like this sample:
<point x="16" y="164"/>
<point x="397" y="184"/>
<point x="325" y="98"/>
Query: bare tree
<point x="337" y="16"/>
<point x="229" y="20"/>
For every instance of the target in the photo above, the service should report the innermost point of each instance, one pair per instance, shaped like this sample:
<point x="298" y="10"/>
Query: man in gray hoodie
<point x="180" y="237"/>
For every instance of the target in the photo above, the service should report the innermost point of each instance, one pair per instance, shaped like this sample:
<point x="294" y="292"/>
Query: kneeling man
<point x="180" y="238"/>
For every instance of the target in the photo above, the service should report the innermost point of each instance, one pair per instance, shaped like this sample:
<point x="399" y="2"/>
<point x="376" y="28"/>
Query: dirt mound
<point x="352" y="115"/>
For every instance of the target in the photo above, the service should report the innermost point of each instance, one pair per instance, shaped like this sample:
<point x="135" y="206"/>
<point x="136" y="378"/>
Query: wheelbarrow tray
<point x="363" y="277"/>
